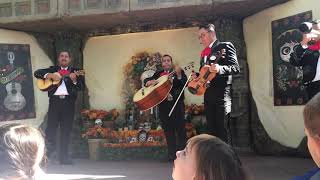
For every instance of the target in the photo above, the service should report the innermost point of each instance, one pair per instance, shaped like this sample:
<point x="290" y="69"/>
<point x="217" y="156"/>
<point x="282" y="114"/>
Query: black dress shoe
<point x="66" y="162"/>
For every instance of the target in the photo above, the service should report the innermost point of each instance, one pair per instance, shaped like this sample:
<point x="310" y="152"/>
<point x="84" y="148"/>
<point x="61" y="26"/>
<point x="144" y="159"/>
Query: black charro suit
<point x="174" y="126"/>
<point x="217" y="98"/>
<point x="308" y="59"/>
<point x="61" y="111"/>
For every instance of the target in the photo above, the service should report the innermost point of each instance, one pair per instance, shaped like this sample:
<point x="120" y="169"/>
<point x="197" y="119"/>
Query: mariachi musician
<point x="217" y="97"/>
<point x="61" y="104"/>
<point x="174" y="126"/>
<point x="307" y="56"/>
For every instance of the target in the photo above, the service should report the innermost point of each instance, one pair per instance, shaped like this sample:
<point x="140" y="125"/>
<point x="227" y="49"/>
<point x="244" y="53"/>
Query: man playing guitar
<point x="175" y="124"/>
<point x="61" y="103"/>
<point x="217" y="98"/>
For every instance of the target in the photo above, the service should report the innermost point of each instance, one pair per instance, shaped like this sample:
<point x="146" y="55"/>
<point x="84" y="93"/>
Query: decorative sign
<point x="16" y="83"/>
<point x="287" y="79"/>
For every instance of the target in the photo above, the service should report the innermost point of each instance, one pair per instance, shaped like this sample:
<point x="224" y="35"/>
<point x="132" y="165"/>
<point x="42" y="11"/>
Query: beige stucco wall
<point x="38" y="60"/>
<point x="105" y="56"/>
<point x="283" y="123"/>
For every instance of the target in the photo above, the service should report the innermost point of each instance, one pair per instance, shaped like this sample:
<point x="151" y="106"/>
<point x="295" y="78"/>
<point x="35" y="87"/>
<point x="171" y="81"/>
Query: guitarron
<point x="148" y="97"/>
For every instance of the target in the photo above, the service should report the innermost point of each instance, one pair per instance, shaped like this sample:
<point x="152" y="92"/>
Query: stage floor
<point x="262" y="168"/>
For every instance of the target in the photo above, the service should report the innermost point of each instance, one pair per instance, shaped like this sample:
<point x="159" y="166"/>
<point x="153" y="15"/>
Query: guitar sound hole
<point x="14" y="91"/>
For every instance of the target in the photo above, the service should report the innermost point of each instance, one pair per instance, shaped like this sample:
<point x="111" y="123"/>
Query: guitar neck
<point x="189" y="66"/>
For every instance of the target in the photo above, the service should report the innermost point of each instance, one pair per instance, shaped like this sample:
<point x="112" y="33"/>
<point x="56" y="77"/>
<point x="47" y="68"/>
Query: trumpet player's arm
<point x="296" y="58"/>
<point x="155" y="76"/>
<point x="42" y="73"/>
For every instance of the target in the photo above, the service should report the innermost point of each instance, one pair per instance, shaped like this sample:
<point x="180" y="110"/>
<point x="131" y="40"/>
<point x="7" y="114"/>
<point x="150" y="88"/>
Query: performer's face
<point x="64" y="59"/>
<point x="185" y="165"/>
<point x="205" y="37"/>
<point x="166" y="63"/>
<point x="314" y="146"/>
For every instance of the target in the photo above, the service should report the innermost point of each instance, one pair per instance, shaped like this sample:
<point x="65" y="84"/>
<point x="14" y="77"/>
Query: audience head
<point x="207" y="158"/>
<point x="311" y="115"/>
<point x="22" y="150"/>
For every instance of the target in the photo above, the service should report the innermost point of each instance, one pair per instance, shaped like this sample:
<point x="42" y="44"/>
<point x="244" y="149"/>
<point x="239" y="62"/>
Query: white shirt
<point x="62" y="89"/>
<point x="317" y="76"/>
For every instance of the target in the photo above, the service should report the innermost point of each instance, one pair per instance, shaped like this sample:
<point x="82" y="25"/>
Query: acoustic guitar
<point x="148" y="97"/>
<point x="14" y="101"/>
<point x="48" y="84"/>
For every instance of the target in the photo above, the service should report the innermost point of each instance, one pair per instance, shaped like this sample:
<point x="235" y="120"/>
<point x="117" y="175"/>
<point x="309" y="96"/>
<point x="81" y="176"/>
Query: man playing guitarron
<point x="61" y="103"/>
<point x="217" y="97"/>
<point x="175" y="124"/>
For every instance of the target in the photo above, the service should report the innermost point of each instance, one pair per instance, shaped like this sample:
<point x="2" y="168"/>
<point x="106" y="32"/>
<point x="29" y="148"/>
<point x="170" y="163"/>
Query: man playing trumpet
<point x="307" y="55"/>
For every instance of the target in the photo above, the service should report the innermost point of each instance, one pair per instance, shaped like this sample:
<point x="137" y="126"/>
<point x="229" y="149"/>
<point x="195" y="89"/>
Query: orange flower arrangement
<point x="189" y="126"/>
<point x="134" y="145"/>
<point x="100" y="114"/>
<point x="194" y="109"/>
<point x="97" y="132"/>
<point x="123" y="135"/>
<point x="133" y="133"/>
<point x="190" y="130"/>
<point x="156" y="133"/>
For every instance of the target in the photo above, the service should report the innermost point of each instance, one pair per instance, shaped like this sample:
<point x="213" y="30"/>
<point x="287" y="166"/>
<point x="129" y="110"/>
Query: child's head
<point x="22" y="150"/>
<point x="207" y="158"/>
<point x="311" y="114"/>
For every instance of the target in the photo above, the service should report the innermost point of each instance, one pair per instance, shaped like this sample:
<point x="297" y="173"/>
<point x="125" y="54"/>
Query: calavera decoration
<point x="142" y="136"/>
<point x="98" y="122"/>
